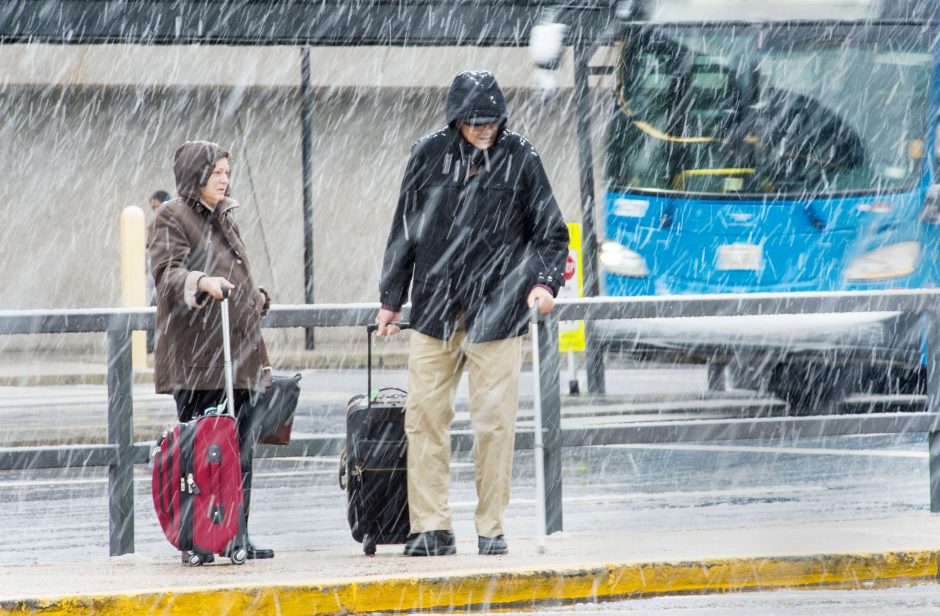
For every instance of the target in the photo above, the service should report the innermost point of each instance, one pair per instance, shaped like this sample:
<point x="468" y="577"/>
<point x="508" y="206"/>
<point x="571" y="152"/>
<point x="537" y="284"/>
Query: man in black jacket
<point x="479" y="238"/>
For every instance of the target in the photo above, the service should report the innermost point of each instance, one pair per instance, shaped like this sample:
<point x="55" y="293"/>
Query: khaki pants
<point x="434" y="370"/>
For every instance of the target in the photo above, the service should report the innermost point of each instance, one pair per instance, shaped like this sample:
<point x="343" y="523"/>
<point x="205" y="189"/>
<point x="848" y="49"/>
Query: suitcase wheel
<point x="197" y="559"/>
<point x="368" y="545"/>
<point x="239" y="556"/>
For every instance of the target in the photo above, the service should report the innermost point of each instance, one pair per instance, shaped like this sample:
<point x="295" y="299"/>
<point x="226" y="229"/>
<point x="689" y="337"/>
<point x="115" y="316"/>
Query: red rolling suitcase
<point x="197" y="480"/>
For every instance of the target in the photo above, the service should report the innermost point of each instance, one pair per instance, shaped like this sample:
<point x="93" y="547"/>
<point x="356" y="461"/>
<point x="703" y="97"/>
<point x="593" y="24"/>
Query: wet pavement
<point x="638" y="519"/>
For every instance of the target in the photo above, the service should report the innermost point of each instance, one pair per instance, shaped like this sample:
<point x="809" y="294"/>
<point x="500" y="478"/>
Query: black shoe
<point x="253" y="553"/>
<point x="431" y="543"/>
<point x="492" y="546"/>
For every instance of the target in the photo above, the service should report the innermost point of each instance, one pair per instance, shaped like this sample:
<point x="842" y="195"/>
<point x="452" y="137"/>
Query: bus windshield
<point x="770" y="109"/>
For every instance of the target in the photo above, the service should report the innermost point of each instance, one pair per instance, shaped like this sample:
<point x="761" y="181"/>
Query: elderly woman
<point x="196" y="251"/>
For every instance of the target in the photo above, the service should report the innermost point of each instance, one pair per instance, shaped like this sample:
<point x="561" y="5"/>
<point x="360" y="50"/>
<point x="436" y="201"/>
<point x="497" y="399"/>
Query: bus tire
<point x="897" y="380"/>
<point x="811" y="389"/>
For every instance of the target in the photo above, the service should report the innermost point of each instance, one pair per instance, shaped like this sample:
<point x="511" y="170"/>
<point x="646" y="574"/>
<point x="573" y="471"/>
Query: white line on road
<point x="812" y="451"/>
<point x="38" y="483"/>
<point x="761" y="491"/>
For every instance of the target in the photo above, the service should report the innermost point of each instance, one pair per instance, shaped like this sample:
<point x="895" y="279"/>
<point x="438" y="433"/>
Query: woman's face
<point x="215" y="187"/>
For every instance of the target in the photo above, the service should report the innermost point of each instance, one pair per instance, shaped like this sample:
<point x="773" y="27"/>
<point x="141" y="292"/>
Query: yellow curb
<point x="491" y="590"/>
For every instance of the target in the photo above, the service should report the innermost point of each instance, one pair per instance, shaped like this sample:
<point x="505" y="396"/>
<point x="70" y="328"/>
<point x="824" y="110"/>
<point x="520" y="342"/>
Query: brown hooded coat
<point x="187" y="240"/>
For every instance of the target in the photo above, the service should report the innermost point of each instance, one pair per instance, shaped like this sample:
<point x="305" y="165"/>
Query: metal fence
<point x="120" y="453"/>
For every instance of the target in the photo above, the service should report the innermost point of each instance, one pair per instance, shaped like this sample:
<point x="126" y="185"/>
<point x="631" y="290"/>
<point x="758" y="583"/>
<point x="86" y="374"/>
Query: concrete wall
<point x="331" y="67"/>
<point x="80" y="139"/>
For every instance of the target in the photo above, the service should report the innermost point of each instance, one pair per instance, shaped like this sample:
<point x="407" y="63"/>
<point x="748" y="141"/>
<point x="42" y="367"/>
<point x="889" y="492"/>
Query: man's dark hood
<point x="193" y="164"/>
<point x="475" y="95"/>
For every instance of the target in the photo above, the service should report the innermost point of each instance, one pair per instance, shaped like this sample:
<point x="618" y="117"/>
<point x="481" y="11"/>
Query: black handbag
<point x="272" y="414"/>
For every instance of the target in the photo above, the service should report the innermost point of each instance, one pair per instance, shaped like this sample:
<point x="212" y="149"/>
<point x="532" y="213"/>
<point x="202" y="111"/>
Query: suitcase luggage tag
<point x="215" y="411"/>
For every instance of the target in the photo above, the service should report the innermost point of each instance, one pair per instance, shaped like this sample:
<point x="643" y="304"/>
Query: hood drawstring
<point x="508" y="167"/>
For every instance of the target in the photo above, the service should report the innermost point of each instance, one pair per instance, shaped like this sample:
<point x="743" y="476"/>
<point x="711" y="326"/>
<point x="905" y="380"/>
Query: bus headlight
<point x="891" y="261"/>
<point x="620" y="260"/>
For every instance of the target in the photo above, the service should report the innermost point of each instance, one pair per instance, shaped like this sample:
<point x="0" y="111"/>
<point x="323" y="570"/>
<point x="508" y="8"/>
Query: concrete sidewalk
<point x="854" y="553"/>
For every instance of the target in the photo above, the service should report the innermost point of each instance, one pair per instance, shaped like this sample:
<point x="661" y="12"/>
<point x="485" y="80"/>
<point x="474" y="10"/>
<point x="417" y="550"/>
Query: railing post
<point x="595" y="349"/>
<point x="716" y="376"/>
<point x="120" y="433"/>
<point x="933" y="447"/>
<point x="932" y="329"/>
<point x="549" y="365"/>
<point x="306" y="156"/>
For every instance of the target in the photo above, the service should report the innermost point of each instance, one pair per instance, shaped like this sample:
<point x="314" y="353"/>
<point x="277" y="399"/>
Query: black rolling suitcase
<point x="373" y="466"/>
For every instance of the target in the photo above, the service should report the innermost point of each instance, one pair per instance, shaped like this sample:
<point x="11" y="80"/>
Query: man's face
<point x="215" y="187"/>
<point x="480" y="136"/>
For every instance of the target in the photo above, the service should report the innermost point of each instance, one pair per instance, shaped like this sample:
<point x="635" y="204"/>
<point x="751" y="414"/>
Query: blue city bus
<point x="776" y="146"/>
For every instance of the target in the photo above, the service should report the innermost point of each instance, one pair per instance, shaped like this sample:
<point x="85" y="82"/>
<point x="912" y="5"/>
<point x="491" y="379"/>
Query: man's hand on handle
<point x="386" y="320"/>
<point x="213" y="285"/>
<point x="546" y="301"/>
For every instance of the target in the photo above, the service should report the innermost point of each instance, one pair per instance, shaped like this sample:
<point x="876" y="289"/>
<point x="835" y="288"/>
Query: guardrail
<point x="120" y="453"/>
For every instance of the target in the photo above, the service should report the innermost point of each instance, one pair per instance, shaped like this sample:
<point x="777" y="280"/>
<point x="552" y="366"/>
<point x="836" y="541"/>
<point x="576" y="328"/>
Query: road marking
<point x="761" y="491"/>
<point x="145" y="478"/>
<point x="36" y="483"/>
<point x="665" y="406"/>
<point x="812" y="451"/>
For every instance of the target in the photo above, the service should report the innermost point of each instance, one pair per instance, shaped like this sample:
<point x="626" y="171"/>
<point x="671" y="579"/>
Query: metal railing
<point x="119" y="454"/>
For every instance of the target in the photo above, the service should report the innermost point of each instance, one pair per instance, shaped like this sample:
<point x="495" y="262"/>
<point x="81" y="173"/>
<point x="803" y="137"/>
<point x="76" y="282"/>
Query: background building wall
<point x="87" y="131"/>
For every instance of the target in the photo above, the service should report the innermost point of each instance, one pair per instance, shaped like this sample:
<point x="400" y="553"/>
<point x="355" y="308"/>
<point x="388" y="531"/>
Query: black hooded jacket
<point x="474" y="231"/>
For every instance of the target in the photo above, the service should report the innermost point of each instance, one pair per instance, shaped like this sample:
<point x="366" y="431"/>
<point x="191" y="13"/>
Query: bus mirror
<point x="627" y="10"/>
<point x="931" y="212"/>
<point x="545" y="43"/>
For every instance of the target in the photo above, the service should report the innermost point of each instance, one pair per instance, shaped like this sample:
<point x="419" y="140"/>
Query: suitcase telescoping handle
<point x="371" y="328"/>
<point x="227" y="354"/>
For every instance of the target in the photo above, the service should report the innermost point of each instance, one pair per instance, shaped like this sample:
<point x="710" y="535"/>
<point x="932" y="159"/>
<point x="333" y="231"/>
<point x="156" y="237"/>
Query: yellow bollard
<point x="134" y="275"/>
